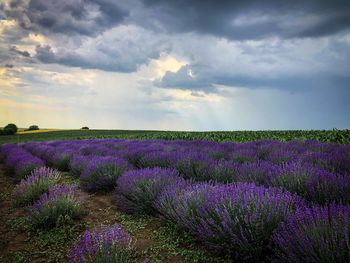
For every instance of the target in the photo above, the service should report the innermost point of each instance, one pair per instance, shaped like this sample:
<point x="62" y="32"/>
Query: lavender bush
<point x="314" y="234"/>
<point x="256" y="172"/>
<point x="5" y="149"/>
<point x="237" y="219"/>
<point x="281" y="156"/>
<point x="137" y="190"/>
<point x="155" y="159"/>
<point x="38" y="183"/>
<point x="332" y="157"/>
<point x="108" y="245"/>
<point x="26" y="165"/>
<point x="180" y="201"/>
<point x="193" y="165"/>
<point x="77" y="164"/>
<point x="20" y="162"/>
<point x="61" y="159"/>
<point x="315" y="184"/>
<point x="101" y="173"/>
<point x="245" y="154"/>
<point x="61" y="202"/>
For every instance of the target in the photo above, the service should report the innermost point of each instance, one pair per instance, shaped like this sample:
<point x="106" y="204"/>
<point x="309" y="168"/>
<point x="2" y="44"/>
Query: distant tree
<point x="33" y="128"/>
<point x="10" y="129"/>
<point x="85" y="128"/>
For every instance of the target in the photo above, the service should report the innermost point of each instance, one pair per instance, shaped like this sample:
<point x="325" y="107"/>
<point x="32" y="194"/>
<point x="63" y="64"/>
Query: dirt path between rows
<point x="11" y="239"/>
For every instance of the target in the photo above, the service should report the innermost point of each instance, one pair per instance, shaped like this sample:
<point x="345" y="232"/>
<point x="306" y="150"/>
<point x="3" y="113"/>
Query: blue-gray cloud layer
<point x="254" y="19"/>
<point x="83" y="17"/>
<point x="225" y="42"/>
<point x="233" y="19"/>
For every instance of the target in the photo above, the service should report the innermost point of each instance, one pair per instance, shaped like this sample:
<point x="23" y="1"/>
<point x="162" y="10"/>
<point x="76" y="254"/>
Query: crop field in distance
<point x="150" y="196"/>
<point x="336" y="136"/>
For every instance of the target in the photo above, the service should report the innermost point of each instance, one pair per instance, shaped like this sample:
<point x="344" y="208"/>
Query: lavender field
<point x="174" y="131"/>
<point x="261" y="201"/>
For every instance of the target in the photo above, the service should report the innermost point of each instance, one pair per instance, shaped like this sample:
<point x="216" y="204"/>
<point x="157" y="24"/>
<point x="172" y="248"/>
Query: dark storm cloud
<point x="232" y="19"/>
<point x="45" y="55"/>
<point x="85" y="17"/>
<point x="253" y="19"/>
<point x="19" y="52"/>
<point x="123" y="49"/>
<point x="120" y="36"/>
<point x="200" y="78"/>
<point x="328" y="26"/>
<point x="183" y="79"/>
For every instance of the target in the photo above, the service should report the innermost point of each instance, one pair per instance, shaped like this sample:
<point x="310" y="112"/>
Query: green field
<point x="337" y="136"/>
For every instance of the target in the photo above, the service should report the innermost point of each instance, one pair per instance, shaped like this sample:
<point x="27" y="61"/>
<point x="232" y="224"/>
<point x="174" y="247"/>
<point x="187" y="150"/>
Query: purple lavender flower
<point x="38" y="183"/>
<point x="158" y="158"/>
<point x="326" y="187"/>
<point x="255" y="172"/>
<point x="61" y="202"/>
<point x="332" y="157"/>
<point x="314" y="234"/>
<point x="21" y="162"/>
<point x="136" y="150"/>
<point x="259" y="173"/>
<point x="78" y="163"/>
<point x="61" y="158"/>
<point x="101" y="173"/>
<point x="244" y="154"/>
<point x="42" y="150"/>
<point x="14" y="155"/>
<point x="236" y="218"/>
<point x="180" y="201"/>
<point x="315" y="184"/>
<point x="5" y="149"/>
<point x="195" y="165"/>
<point x="26" y="165"/>
<point x="110" y="244"/>
<point x="137" y="190"/>
<point x="100" y="150"/>
<point x="322" y="176"/>
<point x="281" y="156"/>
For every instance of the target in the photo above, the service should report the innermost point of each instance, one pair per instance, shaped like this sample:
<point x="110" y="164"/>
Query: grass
<point x="179" y="243"/>
<point x="48" y="245"/>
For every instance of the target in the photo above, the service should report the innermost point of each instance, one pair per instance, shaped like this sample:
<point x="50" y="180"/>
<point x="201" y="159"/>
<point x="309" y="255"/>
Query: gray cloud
<point x="210" y="35"/>
<point x="253" y="19"/>
<point x="9" y="53"/>
<point x="200" y="78"/>
<point x="232" y="19"/>
<point x="188" y="77"/>
<point x="20" y="52"/>
<point x="122" y="49"/>
<point x="293" y="65"/>
<point x="65" y="16"/>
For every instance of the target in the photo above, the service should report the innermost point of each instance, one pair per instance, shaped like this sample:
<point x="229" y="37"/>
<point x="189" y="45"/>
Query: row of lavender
<point x="243" y="221"/>
<point x="317" y="171"/>
<point x="249" y="221"/>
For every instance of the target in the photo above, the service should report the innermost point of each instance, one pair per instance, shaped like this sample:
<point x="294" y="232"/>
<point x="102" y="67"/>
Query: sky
<point x="175" y="65"/>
